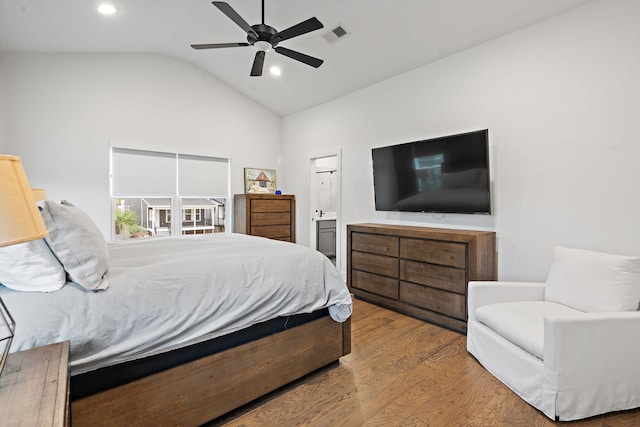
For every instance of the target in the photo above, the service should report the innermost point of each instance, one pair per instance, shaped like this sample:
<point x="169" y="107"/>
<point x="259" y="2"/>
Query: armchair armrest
<point x="592" y="341"/>
<point x="483" y="293"/>
<point x="592" y="360"/>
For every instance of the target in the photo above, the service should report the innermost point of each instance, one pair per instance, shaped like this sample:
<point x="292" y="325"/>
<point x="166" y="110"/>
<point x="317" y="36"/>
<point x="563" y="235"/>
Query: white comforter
<point x="166" y="293"/>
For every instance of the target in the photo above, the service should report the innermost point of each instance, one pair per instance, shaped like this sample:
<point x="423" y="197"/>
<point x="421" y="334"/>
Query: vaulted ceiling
<point x="384" y="37"/>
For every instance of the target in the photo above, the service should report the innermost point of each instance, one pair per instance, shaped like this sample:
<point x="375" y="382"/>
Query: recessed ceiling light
<point x="275" y="71"/>
<point x="107" y="9"/>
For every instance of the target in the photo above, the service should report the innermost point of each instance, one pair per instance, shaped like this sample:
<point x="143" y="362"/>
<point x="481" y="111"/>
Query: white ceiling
<point x="386" y="37"/>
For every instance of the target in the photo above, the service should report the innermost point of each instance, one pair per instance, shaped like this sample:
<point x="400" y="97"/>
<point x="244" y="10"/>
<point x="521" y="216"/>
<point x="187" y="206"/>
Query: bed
<point x="180" y="330"/>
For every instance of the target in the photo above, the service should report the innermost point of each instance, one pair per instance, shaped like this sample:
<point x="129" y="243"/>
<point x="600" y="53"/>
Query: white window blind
<point x="154" y="173"/>
<point x="199" y="175"/>
<point x="138" y="172"/>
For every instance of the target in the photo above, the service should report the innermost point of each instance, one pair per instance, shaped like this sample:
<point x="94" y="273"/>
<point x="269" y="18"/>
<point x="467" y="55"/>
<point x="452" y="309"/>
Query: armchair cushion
<point x="594" y="281"/>
<point x="522" y="323"/>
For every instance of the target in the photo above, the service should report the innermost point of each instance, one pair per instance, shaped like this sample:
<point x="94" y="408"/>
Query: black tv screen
<point x="449" y="174"/>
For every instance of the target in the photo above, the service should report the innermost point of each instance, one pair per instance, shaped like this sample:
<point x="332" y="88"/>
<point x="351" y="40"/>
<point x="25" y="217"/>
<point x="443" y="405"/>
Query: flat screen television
<point x="449" y="174"/>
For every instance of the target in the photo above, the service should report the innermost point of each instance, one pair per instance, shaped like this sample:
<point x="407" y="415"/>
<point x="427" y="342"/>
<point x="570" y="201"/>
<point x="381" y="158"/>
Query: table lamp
<point x="20" y="221"/>
<point x="39" y="194"/>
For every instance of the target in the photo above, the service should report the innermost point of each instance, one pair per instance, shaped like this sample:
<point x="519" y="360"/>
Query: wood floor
<point x="401" y="372"/>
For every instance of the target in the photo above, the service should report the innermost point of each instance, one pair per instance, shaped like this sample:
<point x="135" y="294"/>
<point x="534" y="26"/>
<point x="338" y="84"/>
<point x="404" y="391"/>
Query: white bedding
<point x="165" y="293"/>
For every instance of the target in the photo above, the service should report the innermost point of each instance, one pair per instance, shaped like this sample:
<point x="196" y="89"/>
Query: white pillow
<point x="31" y="266"/>
<point x="77" y="243"/>
<point x="594" y="281"/>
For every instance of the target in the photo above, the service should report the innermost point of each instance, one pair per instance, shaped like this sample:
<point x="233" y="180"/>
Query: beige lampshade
<point x="20" y="219"/>
<point x="39" y="194"/>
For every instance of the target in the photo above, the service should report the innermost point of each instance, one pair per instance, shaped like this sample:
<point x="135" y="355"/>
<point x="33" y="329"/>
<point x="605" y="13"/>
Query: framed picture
<point x="258" y="181"/>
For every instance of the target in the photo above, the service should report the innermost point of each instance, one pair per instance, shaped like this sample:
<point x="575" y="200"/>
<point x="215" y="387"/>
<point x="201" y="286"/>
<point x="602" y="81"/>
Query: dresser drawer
<point x="377" y="264"/>
<point x="447" y="303"/>
<point x="270" y="218"/>
<point x="380" y="285"/>
<point x="375" y="244"/>
<point x="437" y="276"/>
<point x="435" y="252"/>
<point x="272" y="231"/>
<point x="271" y="205"/>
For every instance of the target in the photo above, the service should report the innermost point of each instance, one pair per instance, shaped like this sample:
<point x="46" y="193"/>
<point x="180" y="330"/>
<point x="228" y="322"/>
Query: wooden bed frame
<point x="204" y="389"/>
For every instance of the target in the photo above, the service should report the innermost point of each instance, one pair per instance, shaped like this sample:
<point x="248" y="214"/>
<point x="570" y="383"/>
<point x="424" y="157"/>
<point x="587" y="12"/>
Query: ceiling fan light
<point x="262" y="45"/>
<point x="107" y="9"/>
<point x="275" y="70"/>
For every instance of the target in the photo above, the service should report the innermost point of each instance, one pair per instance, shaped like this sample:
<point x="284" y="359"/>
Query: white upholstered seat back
<point x="594" y="281"/>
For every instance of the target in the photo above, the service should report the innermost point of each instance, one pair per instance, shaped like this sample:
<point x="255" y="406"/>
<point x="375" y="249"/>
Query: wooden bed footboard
<point x="199" y="391"/>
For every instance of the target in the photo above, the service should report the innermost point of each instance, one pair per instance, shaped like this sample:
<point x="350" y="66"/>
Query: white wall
<point x="561" y="102"/>
<point x="66" y="110"/>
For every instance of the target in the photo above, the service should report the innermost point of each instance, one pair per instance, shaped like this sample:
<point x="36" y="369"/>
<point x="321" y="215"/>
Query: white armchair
<point x="570" y="347"/>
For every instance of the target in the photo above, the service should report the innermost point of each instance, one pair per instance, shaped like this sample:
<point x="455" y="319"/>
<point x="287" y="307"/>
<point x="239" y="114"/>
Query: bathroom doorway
<point x="325" y="179"/>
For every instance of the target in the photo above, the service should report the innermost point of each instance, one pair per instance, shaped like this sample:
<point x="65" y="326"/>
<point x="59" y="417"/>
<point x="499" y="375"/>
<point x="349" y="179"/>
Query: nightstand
<point x="34" y="387"/>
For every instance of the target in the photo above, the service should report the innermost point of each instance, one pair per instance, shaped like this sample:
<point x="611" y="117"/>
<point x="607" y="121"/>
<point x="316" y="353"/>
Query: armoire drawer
<point x="270" y="218"/>
<point x="271" y="205"/>
<point x="272" y="231"/>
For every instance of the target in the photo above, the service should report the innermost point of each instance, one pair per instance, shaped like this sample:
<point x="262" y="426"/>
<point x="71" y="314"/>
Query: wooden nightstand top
<point x="34" y="387"/>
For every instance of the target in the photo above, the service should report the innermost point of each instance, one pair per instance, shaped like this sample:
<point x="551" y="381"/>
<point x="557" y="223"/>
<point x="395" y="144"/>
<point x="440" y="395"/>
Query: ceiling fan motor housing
<point x="265" y="33"/>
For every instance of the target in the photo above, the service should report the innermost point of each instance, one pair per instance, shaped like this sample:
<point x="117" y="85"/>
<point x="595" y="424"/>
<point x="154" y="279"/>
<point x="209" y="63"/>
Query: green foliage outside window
<point x="127" y="222"/>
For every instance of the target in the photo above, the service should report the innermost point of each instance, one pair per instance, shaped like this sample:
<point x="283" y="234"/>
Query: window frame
<point x="177" y="196"/>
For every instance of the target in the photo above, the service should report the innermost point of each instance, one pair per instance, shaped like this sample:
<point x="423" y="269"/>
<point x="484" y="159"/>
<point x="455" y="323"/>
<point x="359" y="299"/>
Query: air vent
<point x="335" y="34"/>
<point x="339" y="31"/>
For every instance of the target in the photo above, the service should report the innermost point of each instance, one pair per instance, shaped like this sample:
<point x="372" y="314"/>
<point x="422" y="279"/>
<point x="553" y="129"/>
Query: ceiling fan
<point x="265" y="38"/>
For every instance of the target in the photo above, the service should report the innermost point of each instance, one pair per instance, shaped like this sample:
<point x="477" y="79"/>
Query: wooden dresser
<point x="266" y="215"/>
<point x="422" y="272"/>
<point x="34" y="387"/>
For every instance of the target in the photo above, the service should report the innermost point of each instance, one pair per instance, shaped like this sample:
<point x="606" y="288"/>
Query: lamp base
<point x="7" y="329"/>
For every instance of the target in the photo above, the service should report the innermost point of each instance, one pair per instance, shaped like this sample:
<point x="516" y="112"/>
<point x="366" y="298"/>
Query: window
<point x="429" y="171"/>
<point x="148" y="188"/>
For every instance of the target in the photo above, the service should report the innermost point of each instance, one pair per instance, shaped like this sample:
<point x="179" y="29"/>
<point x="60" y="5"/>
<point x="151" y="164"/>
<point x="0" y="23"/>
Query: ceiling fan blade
<point x="304" y="27"/>
<point x="218" y="45"/>
<point x="233" y="15"/>
<point x="258" y="62"/>
<point x="309" y="60"/>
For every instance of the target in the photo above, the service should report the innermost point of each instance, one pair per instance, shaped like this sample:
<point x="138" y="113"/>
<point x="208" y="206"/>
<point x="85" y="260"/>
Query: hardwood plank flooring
<point x="402" y="372"/>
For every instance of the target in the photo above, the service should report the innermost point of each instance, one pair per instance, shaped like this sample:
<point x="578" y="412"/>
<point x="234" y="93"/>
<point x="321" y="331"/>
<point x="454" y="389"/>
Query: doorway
<point x="325" y="200"/>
